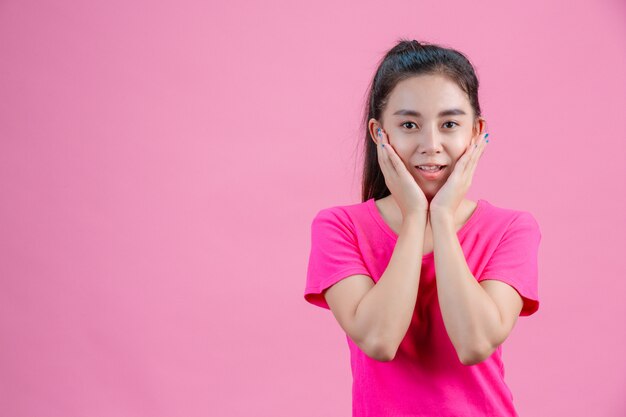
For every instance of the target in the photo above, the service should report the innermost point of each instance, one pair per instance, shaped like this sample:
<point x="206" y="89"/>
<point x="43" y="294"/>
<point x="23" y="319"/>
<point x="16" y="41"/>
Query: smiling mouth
<point x="432" y="169"/>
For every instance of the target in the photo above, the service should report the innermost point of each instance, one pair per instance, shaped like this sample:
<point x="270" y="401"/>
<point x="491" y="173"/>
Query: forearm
<point x="470" y="316"/>
<point x="388" y="307"/>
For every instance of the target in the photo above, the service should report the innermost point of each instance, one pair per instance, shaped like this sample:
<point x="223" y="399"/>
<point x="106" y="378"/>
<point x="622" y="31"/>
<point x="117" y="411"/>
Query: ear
<point x="372" y="127"/>
<point x="480" y="126"/>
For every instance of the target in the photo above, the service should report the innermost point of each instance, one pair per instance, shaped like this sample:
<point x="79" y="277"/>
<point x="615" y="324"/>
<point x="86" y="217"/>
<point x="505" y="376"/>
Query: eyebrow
<point x="450" y="112"/>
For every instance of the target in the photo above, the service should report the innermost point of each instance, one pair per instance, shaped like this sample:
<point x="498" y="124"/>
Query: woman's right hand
<point x="405" y="191"/>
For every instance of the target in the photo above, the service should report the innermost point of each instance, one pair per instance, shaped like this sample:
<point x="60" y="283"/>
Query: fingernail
<point x="486" y="136"/>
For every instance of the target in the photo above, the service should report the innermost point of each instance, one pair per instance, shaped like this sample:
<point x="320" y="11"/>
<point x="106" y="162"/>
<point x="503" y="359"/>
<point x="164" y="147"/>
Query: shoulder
<point x="344" y="223"/>
<point x="506" y="219"/>
<point x="340" y="214"/>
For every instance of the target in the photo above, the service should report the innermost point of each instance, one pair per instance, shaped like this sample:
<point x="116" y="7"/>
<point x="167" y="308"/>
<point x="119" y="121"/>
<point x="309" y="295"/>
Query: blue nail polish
<point x="487" y="141"/>
<point x="486" y="136"/>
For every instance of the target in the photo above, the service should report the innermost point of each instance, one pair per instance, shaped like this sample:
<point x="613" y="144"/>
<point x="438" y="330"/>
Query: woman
<point x="426" y="284"/>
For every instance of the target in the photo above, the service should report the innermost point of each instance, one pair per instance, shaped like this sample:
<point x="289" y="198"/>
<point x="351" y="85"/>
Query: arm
<point x="476" y="322"/>
<point x="387" y="308"/>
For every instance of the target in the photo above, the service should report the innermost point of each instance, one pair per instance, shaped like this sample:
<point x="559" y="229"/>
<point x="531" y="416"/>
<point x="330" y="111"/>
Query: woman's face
<point x="429" y="119"/>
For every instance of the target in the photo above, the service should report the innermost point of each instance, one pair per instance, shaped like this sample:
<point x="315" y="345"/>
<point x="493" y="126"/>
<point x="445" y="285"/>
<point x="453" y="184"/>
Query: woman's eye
<point x="448" y="124"/>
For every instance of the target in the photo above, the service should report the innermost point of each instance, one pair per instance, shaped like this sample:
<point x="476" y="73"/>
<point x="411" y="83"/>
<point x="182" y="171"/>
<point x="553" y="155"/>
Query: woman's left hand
<point x="450" y="195"/>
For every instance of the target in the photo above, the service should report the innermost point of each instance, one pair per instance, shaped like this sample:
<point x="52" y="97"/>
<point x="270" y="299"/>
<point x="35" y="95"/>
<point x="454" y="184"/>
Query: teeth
<point x="429" y="168"/>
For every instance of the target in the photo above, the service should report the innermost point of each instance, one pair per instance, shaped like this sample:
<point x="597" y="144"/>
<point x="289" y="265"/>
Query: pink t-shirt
<point x="426" y="377"/>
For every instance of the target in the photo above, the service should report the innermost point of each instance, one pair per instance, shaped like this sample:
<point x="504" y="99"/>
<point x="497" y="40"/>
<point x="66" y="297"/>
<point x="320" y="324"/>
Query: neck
<point x="398" y="212"/>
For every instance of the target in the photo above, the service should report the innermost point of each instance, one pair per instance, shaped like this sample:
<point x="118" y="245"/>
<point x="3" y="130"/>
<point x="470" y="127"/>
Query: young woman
<point x="426" y="284"/>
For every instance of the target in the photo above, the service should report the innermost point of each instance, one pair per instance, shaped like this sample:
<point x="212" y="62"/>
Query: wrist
<point x="415" y="215"/>
<point x="415" y="219"/>
<point x="440" y="216"/>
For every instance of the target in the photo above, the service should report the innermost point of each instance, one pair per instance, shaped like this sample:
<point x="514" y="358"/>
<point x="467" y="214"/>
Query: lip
<point x="431" y="175"/>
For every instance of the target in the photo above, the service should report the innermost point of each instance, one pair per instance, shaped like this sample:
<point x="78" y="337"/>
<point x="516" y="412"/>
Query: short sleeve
<point x="334" y="255"/>
<point x="515" y="260"/>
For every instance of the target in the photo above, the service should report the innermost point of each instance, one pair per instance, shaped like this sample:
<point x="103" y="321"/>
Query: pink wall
<point x="160" y="163"/>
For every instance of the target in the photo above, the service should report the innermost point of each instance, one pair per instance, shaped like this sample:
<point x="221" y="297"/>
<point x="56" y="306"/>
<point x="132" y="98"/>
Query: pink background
<point x="160" y="163"/>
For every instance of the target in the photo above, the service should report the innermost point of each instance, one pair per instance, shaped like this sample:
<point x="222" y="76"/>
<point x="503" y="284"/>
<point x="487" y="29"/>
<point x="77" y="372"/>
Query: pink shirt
<point x="426" y="377"/>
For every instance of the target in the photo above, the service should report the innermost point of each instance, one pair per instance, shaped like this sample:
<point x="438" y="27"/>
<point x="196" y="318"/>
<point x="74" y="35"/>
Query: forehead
<point x="427" y="94"/>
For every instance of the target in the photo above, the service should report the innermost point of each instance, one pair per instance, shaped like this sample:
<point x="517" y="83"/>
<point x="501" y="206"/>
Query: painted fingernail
<point x="486" y="136"/>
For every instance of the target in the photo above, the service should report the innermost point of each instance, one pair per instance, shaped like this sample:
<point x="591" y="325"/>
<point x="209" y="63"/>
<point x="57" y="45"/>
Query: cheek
<point x="458" y="151"/>
<point x="402" y="147"/>
<point x="403" y="151"/>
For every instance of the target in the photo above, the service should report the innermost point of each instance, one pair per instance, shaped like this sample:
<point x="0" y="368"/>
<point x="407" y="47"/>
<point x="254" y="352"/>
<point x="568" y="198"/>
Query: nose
<point x="430" y="142"/>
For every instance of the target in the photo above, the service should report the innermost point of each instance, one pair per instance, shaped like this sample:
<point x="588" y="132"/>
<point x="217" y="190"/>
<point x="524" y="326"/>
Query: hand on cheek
<point x="450" y="195"/>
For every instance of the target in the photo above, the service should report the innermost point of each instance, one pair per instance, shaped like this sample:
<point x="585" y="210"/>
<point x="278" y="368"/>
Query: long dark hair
<point x="407" y="59"/>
